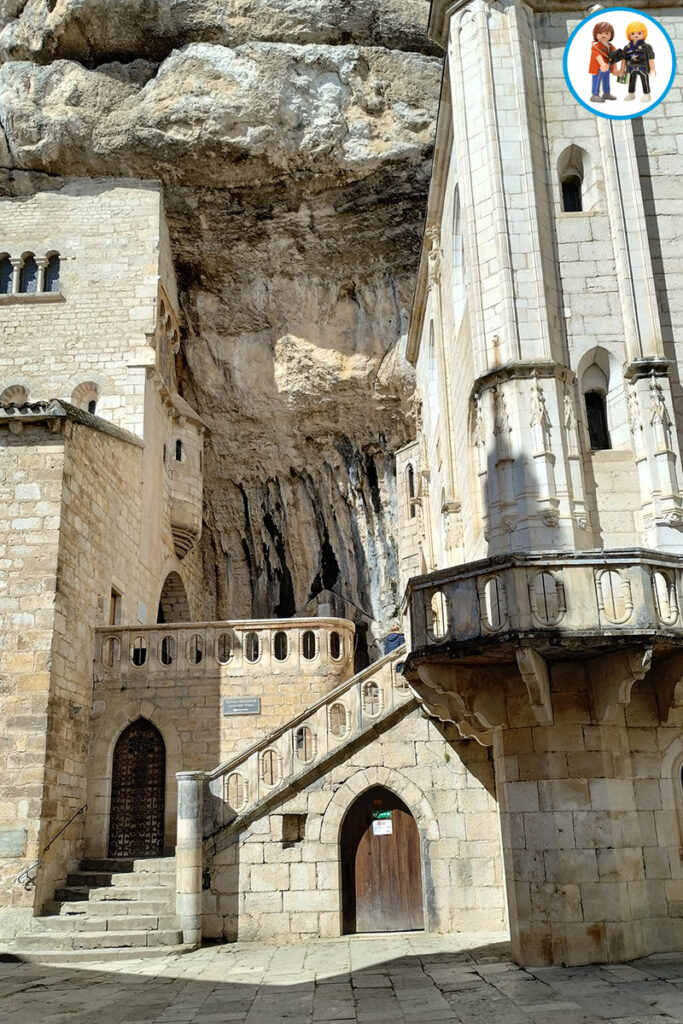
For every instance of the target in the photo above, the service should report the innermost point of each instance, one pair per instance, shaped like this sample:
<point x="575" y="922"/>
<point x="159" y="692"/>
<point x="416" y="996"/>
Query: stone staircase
<point x="123" y="908"/>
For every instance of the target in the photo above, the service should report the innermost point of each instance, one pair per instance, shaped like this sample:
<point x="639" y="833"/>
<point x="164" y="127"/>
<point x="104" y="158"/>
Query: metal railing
<point x="27" y="878"/>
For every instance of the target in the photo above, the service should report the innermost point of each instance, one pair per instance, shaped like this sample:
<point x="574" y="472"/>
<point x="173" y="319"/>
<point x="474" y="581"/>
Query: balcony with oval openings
<point x="252" y="647"/>
<point x="281" y="646"/>
<point x="372" y="699"/>
<point x="339" y="720"/>
<point x="271" y="768"/>
<point x="304" y="744"/>
<point x="224" y="648"/>
<point x="309" y="645"/>
<point x="665" y="597"/>
<point x="236" y="791"/>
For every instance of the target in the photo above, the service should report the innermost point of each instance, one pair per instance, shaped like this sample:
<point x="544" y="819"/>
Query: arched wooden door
<point x="136" y="822"/>
<point x="380" y="860"/>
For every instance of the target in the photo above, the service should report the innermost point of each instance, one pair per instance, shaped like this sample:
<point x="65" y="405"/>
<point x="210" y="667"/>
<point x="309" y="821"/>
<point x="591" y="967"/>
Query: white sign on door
<point x="383" y="828"/>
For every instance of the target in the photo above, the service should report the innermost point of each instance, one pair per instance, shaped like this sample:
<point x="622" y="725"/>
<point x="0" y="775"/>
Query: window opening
<point x="252" y="647"/>
<point x="571" y="194"/>
<point x="596" y="416"/>
<point x="28" y="279"/>
<point x="114" y="608"/>
<point x="411" y="491"/>
<point x="293" y="829"/>
<point x="51" y="280"/>
<point x="138" y="652"/>
<point x="335" y="646"/>
<point x="179" y="451"/>
<point x="6" y="274"/>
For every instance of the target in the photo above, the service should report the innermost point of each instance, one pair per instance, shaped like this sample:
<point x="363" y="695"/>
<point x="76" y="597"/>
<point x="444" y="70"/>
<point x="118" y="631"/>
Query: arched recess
<point x="173" y="603"/>
<point x="599" y="373"/>
<point x="15" y="394"/>
<point x="577" y="180"/>
<point x="380" y="865"/>
<point x="112" y="724"/>
<point x="138" y="792"/>
<point x="86" y="395"/>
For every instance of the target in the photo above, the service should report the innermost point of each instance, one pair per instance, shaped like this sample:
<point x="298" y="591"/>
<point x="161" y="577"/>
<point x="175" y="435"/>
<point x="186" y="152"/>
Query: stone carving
<point x="534" y="672"/>
<point x="435" y="257"/>
<point x="612" y="678"/>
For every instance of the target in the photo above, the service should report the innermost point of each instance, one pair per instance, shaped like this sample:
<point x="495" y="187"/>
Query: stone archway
<point x="380" y="865"/>
<point x="173" y="603"/>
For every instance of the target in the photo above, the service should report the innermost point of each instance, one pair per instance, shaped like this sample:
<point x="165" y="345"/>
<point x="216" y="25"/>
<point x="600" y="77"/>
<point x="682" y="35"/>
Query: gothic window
<point x="51" y="279"/>
<point x="596" y="418"/>
<point x="5" y="276"/>
<point x="577" y="184"/>
<point x="28" y="278"/>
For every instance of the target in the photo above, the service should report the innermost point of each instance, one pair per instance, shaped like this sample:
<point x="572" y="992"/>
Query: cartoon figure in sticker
<point x="602" y="53"/>
<point x="638" y="61"/>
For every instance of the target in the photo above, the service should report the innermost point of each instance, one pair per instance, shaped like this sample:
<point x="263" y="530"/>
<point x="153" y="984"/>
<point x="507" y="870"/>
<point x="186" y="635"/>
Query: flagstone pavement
<point x="409" y="978"/>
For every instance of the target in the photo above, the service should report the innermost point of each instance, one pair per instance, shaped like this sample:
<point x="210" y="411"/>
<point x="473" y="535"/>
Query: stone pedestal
<point x="189" y="855"/>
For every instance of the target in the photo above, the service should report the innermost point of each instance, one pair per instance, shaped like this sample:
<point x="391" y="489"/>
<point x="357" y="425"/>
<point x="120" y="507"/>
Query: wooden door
<point x="381" y="873"/>
<point x="136" y="822"/>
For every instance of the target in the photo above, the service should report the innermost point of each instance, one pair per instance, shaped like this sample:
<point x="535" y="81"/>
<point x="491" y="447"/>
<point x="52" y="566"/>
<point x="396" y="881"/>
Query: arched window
<point x="458" y="261"/>
<point x="6" y="274"/>
<point x="594" y="384"/>
<point x="51" y="279"/>
<point x="571" y="194"/>
<point x="179" y="451"/>
<point x="85" y="396"/>
<point x="28" y="278"/>
<point x="410" y="477"/>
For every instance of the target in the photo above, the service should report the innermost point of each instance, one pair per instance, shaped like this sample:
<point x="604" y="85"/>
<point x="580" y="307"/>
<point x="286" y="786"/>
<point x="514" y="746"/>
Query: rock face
<point x="293" y="139"/>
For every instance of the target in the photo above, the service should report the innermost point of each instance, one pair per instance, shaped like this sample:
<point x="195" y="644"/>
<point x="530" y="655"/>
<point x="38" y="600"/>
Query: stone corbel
<point x="534" y="672"/>
<point x="612" y="678"/>
<point x="669" y="687"/>
<point x="472" y="698"/>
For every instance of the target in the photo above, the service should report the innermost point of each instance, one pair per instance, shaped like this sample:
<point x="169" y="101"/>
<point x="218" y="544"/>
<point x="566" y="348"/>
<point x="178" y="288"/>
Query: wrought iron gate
<point x="136" y="824"/>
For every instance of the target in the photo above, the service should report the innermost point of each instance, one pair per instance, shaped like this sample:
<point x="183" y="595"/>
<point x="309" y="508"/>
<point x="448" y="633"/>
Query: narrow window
<point x="596" y="416"/>
<point x="28" y="279"/>
<point x="138" y="651"/>
<point x="411" y="491"/>
<point x="5" y="276"/>
<point x="51" y="282"/>
<point x="571" y="194"/>
<point x="114" y="608"/>
<point x="92" y="406"/>
<point x="179" y="451"/>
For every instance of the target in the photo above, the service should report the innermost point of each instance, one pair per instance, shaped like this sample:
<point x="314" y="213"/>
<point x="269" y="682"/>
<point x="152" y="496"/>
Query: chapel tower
<point x="541" y="514"/>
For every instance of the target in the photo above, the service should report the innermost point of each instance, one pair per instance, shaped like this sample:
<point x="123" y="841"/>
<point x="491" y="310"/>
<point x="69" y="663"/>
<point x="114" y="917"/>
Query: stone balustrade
<point x="239" y="785"/>
<point x="619" y="593"/>
<point x="293" y="646"/>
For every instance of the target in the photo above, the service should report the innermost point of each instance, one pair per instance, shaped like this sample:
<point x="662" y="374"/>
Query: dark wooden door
<point x="136" y="823"/>
<point x="381" y="873"/>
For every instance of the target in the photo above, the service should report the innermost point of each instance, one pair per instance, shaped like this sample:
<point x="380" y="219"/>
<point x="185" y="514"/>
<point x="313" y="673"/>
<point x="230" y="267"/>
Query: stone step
<point x="75" y="956"/>
<point x="164" y="893"/>
<point x="57" y="941"/>
<point x="116" y="865"/>
<point x="109" y="908"/>
<point x="78" y="922"/>
<point x="97" y="879"/>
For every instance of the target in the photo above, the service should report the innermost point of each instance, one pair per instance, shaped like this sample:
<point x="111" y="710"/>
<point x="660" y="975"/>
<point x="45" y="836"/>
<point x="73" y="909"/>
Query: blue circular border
<point x="591" y="108"/>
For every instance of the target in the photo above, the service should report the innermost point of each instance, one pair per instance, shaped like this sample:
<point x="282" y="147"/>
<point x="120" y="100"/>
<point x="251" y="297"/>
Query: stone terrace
<point x="387" y="979"/>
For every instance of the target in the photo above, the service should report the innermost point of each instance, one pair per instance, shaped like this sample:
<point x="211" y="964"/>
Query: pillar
<point x="189" y="855"/>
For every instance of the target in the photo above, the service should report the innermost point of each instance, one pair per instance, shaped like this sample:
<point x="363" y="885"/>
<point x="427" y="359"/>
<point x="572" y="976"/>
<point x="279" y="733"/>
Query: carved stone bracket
<point x="612" y="678"/>
<point x="473" y="698"/>
<point x="534" y="671"/>
<point x="669" y="685"/>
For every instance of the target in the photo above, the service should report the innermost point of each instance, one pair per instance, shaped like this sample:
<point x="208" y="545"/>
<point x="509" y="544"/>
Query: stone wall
<point x="266" y="885"/>
<point x="107" y="234"/>
<point x="592" y="824"/>
<point x="32" y="465"/>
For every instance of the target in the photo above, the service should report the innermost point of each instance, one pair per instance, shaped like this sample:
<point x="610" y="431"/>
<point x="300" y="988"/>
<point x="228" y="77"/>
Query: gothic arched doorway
<point x="138" y="783"/>
<point x="380" y="862"/>
<point x="173" y="603"/>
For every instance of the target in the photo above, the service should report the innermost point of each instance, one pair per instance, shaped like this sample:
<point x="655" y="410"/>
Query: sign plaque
<point x="241" y="706"/>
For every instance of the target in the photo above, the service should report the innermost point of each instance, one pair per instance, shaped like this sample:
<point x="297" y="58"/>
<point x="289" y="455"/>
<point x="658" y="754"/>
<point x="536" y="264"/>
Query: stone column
<point x="189" y="855"/>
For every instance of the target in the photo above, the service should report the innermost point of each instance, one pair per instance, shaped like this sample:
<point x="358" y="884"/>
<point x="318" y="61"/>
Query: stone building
<point x="542" y="506"/>
<point x="132" y="727"/>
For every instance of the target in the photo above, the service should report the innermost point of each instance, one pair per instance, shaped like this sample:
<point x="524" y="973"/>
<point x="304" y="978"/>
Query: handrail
<point x="266" y="741"/>
<point x="28" y="876"/>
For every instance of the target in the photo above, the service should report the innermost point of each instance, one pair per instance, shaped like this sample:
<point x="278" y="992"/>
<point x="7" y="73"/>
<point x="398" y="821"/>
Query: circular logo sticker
<point x="619" y="63"/>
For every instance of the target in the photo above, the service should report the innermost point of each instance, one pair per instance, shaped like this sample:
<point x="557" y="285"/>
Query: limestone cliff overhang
<point x="442" y="11"/>
<point x="55" y="414"/>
